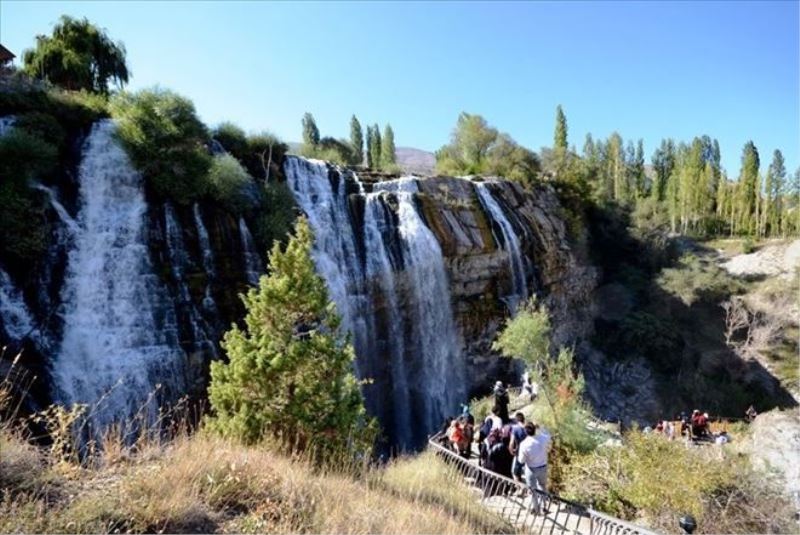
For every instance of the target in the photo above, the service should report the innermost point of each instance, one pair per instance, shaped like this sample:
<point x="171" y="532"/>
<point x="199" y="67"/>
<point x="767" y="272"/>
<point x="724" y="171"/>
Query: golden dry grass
<point x="203" y="483"/>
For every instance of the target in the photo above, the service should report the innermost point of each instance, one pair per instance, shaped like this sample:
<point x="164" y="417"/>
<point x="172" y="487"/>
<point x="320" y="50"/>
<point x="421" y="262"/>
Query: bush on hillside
<point x="654" y="480"/>
<point x="654" y="338"/>
<point x="694" y="279"/>
<point x="43" y="126"/>
<point x="232" y="138"/>
<point x="166" y="141"/>
<point x="275" y="221"/>
<point x="289" y="378"/>
<point x="264" y="151"/>
<point x="231" y="185"/>
<point x="23" y="158"/>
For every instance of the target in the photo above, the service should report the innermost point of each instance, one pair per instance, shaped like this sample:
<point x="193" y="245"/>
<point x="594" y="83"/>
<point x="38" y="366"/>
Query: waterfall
<point x="120" y="352"/>
<point x="208" y="259"/>
<point x="17" y="321"/>
<point x="6" y="123"/>
<point x="377" y="224"/>
<point x="396" y="302"/>
<point x="63" y="215"/>
<point x="510" y="243"/>
<point x="252" y="261"/>
<point x="178" y="261"/>
<point x="434" y="333"/>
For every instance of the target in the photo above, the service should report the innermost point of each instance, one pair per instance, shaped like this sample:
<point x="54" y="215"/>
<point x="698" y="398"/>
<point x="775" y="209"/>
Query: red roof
<point x="5" y="54"/>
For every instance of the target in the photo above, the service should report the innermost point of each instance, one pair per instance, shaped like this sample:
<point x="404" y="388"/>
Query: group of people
<point x="695" y="427"/>
<point x="510" y="447"/>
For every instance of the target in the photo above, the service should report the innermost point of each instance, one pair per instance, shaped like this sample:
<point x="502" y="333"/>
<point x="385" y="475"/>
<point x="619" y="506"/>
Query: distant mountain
<point x="416" y="161"/>
<point x="411" y="160"/>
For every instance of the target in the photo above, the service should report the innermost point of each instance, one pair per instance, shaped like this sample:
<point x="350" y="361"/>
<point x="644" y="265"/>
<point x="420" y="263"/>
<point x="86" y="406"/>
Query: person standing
<point x="517" y="437"/>
<point x="501" y="401"/>
<point x="533" y="454"/>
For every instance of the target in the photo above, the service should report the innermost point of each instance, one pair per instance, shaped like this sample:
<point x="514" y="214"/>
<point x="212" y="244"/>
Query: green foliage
<point x="695" y="279"/>
<point x="232" y="138"/>
<point x="374" y="149"/>
<point x="43" y="126"/>
<point x="388" y="151"/>
<point x="166" y="141"/>
<point x="231" y="185"/>
<point x="655" y="338"/>
<point x="356" y="141"/>
<point x="289" y="375"/>
<point x="657" y="480"/>
<point x="23" y="157"/>
<point x="560" y="135"/>
<point x="275" y="220"/>
<point x="527" y="336"/>
<point x="78" y="55"/>
<point x="72" y="109"/>
<point x="310" y="131"/>
<point x="477" y="148"/>
<point x="264" y="154"/>
<point x="748" y="245"/>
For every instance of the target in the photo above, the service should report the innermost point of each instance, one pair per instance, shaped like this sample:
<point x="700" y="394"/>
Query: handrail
<point x="569" y="517"/>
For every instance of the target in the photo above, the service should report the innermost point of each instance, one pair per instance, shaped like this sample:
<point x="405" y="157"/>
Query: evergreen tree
<point x="289" y="373"/>
<point x="376" y="149"/>
<point x="357" y="141"/>
<point x="310" y="131"/>
<point x="388" y="151"/>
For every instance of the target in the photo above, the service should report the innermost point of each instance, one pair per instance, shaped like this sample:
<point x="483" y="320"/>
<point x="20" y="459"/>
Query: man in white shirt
<point x="533" y="454"/>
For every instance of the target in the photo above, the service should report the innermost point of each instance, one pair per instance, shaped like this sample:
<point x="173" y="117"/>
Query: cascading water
<point x="398" y="294"/>
<point x="252" y="260"/>
<point x="120" y="352"/>
<point x="510" y="243"/>
<point x="208" y="260"/>
<point x="63" y="215"/>
<point x="178" y="261"/>
<point x="17" y="321"/>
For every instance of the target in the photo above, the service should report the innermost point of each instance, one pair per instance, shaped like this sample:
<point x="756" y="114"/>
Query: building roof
<point x="5" y="54"/>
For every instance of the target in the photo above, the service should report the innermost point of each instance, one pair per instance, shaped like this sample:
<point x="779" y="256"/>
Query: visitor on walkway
<point x="699" y="424"/>
<point x="533" y="454"/>
<point x="501" y="401"/>
<point x="517" y="436"/>
<point x="529" y="388"/>
<point x="494" y="418"/>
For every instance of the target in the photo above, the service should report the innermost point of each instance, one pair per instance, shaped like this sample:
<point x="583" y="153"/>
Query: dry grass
<point x="203" y="483"/>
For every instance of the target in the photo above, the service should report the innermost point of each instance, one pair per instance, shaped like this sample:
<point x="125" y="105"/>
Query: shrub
<point x="748" y="246"/>
<point x="694" y="279"/>
<point x="289" y="377"/>
<point x="23" y="157"/>
<point x="259" y="149"/>
<point x="166" y="142"/>
<point x="654" y="338"/>
<point x="43" y="126"/>
<point x="232" y="138"/>
<point x="656" y="480"/>
<point x="277" y="216"/>
<point x="231" y="185"/>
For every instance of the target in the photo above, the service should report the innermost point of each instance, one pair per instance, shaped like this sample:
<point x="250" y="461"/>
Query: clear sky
<point x="646" y="69"/>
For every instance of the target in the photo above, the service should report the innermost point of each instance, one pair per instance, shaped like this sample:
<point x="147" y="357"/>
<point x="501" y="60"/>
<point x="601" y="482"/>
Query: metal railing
<point x="515" y="503"/>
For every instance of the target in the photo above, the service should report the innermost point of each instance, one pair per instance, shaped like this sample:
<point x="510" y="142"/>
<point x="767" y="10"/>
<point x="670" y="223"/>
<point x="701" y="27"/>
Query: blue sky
<point x="646" y="69"/>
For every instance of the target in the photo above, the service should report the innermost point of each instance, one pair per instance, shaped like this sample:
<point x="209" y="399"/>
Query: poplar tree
<point x="357" y="141"/>
<point x="388" y="151"/>
<point x="616" y="168"/>
<point x="560" y="148"/>
<point x="774" y="187"/>
<point x="310" y="131"/>
<point x="289" y="372"/>
<point x="663" y="162"/>
<point x="370" y="147"/>
<point x="747" y="198"/>
<point x="376" y="148"/>
<point x="638" y="169"/>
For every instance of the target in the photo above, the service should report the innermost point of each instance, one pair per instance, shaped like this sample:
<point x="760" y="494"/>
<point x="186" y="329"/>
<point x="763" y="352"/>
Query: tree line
<point x="684" y="188"/>
<point x="380" y="153"/>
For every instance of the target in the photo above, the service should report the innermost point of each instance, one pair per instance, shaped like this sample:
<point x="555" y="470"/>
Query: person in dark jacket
<point x="501" y="401"/>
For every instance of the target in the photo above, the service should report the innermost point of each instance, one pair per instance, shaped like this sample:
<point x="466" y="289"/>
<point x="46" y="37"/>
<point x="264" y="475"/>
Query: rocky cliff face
<point x="478" y="266"/>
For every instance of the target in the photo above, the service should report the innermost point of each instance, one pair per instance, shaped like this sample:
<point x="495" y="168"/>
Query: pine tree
<point x="357" y="141"/>
<point x="310" y="131"/>
<point x="376" y="148"/>
<point x="388" y="151"/>
<point x="289" y="372"/>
